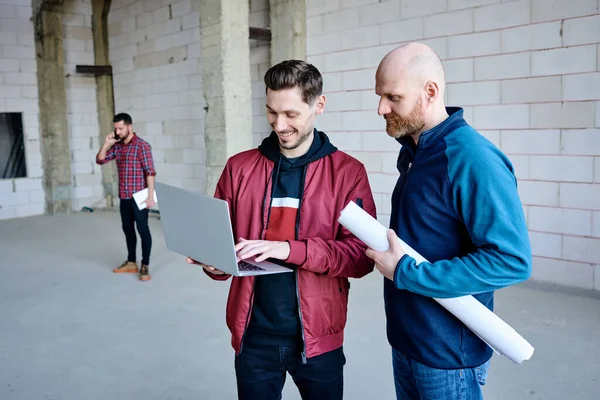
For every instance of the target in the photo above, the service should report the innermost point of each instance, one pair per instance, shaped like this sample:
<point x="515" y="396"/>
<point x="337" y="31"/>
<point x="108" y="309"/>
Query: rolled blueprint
<point x="490" y="328"/>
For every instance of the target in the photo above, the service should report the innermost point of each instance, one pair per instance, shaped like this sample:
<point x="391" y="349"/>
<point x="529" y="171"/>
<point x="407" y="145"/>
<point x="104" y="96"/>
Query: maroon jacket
<point x="326" y="253"/>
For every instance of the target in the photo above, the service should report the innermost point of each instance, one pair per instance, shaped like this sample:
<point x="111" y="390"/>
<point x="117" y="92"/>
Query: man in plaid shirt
<point x="133" y="156"/>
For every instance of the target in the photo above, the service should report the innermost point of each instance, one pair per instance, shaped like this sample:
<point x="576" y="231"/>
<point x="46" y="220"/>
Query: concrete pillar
<point x="104" y="93"/>
<point x="226" y="83"/>
<point x="54" y="133"/>
<point x="288" y="30"/>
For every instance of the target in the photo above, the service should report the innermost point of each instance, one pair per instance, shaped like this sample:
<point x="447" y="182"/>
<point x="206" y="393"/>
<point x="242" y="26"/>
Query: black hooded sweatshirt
<point x="275" y="312"/>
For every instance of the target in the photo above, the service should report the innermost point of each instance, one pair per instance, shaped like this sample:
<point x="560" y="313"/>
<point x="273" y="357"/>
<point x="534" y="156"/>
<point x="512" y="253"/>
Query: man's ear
<point x="320" y="104"/>
<point x="433" y="91"/>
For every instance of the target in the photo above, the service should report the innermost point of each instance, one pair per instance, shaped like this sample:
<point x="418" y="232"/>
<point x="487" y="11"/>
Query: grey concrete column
<point x="288" y="30"/>
<point x="104" y="93"/>
<point x="226" y="83"/>
<point x="54" y="133"/>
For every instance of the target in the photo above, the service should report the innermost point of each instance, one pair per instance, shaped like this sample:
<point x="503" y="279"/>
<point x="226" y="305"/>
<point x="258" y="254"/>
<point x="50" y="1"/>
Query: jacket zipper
<point x="297" y="229"/>
<point x="254" y="281"/>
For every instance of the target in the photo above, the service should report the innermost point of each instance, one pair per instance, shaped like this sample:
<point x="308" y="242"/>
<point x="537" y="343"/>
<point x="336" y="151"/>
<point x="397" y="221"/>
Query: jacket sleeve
<point x="344" y="256"/>
<point x="224" y="191"/>
<point x="485" y="197"/>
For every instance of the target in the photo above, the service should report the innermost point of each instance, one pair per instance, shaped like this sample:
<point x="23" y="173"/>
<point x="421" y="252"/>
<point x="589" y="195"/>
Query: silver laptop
<point x="198" y="226"/>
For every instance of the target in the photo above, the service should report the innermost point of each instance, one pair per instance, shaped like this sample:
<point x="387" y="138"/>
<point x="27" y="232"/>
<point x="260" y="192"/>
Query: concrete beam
<point x="226" y="83"/>
<point x="104" y="93"/>
<point x="54" y="133"/>
<point x="288" y="30"/>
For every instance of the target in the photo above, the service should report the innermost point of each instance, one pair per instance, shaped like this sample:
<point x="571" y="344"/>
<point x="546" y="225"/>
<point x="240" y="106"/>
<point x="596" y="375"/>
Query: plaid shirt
<point x="134" y="162"/>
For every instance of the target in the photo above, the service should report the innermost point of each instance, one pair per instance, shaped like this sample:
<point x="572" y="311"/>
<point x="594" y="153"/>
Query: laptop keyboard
<point x="246" y="266"/>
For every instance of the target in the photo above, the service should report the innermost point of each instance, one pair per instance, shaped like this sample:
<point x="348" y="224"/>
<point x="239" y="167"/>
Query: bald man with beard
<point x="455" y="203"/>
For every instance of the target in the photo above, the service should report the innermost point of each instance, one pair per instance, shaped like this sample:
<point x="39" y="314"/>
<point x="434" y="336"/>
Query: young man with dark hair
<point x="285" y="198"/>
<point x="136" y="171"/>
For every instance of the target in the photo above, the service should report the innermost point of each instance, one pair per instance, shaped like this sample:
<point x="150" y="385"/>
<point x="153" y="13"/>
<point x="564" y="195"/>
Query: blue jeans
<point x="261" y="372"/>
<point x="420" y="382"/>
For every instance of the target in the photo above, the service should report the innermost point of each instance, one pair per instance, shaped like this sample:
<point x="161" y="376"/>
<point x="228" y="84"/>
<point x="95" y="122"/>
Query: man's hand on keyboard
<point x="209" y="268"/>
<point x="262" y="249"/>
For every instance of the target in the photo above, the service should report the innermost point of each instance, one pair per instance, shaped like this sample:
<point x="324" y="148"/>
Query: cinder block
<point x="580" y="195"/>
<point x="566" y="60"/>
<point x="10" y="91"/>
<point x="567" y="273"/>
<point x="451" y="23"/>
<point x="382" y="183"/>
<point x="356" y="3"/>
<point x="328" y="121"/>
<point x="502" y="66"/>
<point x="539" y="193"/>
<point x="361" y="37"/>
<point x="473" y="93"/>
<point x="563" y="115"/>
<point x="342" y="20"/>
<point x="545" y="244"/>
<point x="521" y="165"/>
<point x="418" y="8"/>
<point x="581" y="142"/>
<point x="8" y="11"/>
<point x="7" y="65"/>
<point x="379" y="141"/>
<point x="8" y="38"/>
<point x="584" y="30"/>
<point x="562" y="168"/>
<point x="325" y="43"/>
<point x="362" y="120"/>
<point x="22" y="105"/>
<point x="344" y="101"/>
<point x="475" y="44"/>
<point x="531" y="90"/>
<point x="581" y="87"/>
<point x="181" y="8"/>
<point x="596" y="224"/>
<point x="402" y="31"/>
<point x="259" y="19"/>
<point x="361" y="79"/>
<point x="369" y="100"/>
<point x="258" y="5"/>
<point x="343" y="61"/>
<point x="370" y="57"/>
<point x="29" y="210"/>
<point x="560" y="220"/>
<point x="531" y="142"/>
<point x="582" y="249"/>
<point x="15" y="25"/>
<point x="8" y="212"/>
<point x="379" y="13"/>
<point x="371" y="161"/>
<point x="332" y="82"/>
<point x="388" y="162"/>
<point x="346" y="141"/>
<point x="6" y="186"/>
<point x="314" y="25"/>
<point x="597" y="114"/>
<point x="73" y="19"/>
<point x="461" y="4"/>
<point x="38" y="196"/>
<point x="502" y="15"/>
<point x="549" y="10"/>
<point x="459" y="70"/>
<point x="509" y="116"/>
<point x="532" y="37"/>
<point x="319" y="7"/>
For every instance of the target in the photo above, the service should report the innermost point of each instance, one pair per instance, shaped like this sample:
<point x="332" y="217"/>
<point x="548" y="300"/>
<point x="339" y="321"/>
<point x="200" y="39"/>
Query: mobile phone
<point x="116" y="136"/>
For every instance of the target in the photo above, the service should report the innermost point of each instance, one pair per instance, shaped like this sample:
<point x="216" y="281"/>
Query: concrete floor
<point x="71" y="329"/>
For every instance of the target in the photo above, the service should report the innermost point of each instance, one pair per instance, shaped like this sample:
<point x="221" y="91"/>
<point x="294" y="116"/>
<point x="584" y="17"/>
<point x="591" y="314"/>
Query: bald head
<point x="415" y="63"/>
<point x="410" y="82"/>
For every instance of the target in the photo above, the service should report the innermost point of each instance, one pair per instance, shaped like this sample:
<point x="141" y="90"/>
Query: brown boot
<point x="144" y="273"/>
<point x="127" y="267"/>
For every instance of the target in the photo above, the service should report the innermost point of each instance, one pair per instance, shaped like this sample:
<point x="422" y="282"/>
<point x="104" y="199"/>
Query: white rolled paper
<point x="490" y="328"/>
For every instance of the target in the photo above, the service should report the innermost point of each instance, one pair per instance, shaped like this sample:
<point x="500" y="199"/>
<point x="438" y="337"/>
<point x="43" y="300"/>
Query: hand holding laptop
<point x="209" y="268"/>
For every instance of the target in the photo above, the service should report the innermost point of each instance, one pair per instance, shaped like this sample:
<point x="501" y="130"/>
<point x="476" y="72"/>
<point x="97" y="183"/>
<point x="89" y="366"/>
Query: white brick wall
<point x="155" y="53"/>
<point x="527" y="73"/>
<point x="260" y="61"/>
<point x="18" y="93"/>
<point x="81" y="105"/>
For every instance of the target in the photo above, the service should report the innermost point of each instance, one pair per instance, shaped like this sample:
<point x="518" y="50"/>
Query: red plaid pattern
<point x="134" y="163"/>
